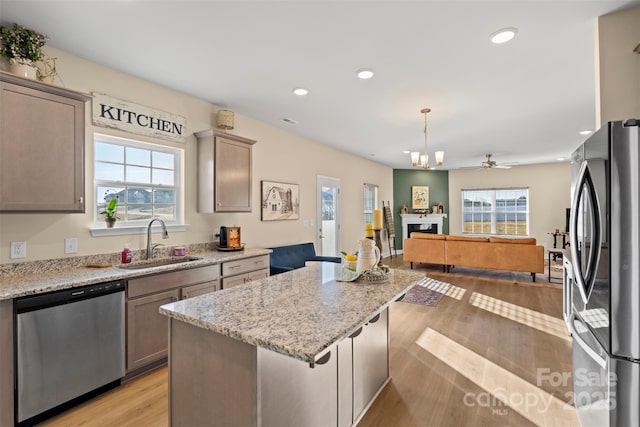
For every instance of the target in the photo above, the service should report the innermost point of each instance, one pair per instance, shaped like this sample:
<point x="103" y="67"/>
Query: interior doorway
<point x="328" y="216"/>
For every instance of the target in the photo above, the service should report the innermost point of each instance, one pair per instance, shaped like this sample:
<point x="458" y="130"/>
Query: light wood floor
<point x="487" y="342"/>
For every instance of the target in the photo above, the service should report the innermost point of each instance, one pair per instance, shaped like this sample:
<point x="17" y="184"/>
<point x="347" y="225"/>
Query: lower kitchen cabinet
<point x="147" y="338"/>
<point x="241" y="271"/>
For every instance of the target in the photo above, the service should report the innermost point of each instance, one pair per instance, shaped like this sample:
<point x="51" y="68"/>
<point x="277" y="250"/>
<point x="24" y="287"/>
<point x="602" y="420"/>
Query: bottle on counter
<point x="126" y="255"/>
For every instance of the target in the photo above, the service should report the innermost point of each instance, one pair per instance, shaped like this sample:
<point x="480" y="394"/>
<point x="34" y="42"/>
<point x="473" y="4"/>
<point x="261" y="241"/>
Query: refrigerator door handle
<point x="583" y="344"/>
<point x="585" y="282"/>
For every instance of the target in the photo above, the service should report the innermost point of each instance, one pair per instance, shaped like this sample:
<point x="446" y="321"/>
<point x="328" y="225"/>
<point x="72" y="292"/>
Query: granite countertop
<point x="53" y="275"/>
<point x="298" y="313"/>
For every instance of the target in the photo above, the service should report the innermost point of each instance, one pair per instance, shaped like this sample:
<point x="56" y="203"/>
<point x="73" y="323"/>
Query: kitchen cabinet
<point x="147" y="339"/>
<point x="42" y="136"/>
<point x="239" y="272"/>
<point x="224" y="172"/>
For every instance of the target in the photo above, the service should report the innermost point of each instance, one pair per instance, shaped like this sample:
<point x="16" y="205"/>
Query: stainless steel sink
<point x="158" y="263"/>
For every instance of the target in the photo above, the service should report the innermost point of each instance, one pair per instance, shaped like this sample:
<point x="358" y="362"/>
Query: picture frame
<point x="419" y="197"/>
<point x="279" y="201"/>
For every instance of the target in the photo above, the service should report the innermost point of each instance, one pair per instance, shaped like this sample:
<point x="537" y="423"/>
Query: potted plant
<point x="23" y="48"/>
<point x="109" y="213"/>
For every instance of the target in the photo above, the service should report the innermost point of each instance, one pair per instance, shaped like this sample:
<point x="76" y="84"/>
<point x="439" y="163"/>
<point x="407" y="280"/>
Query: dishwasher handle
<point x="66" y="296"/>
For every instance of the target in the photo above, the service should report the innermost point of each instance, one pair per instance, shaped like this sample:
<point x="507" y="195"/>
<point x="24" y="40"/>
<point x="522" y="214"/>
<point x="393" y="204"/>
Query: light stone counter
<point x="299" y="313"/>
<point x="31" y="278"/>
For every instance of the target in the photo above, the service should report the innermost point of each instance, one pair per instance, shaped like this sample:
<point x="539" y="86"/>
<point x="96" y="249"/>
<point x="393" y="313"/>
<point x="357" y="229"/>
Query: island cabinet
<point x="224" y="172"/>
<point x="297" y="349"/>
<point x="42" y="135"/>
<point x="245" y="270"/>
<point x="147" y="341"/>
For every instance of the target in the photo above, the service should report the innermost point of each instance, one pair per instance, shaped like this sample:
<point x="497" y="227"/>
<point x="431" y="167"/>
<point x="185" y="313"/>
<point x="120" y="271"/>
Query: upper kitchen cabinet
<point x="42" y="129"/>
<point x="224" y="172"/>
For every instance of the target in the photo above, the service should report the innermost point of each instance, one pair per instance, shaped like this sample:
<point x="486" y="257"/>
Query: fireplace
<point x="422" y="228"/>
<point x="425" y="223"/>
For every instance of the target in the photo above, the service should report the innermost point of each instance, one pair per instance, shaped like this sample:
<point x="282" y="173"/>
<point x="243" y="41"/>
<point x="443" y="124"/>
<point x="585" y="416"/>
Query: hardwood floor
<point x="489" y="354"/>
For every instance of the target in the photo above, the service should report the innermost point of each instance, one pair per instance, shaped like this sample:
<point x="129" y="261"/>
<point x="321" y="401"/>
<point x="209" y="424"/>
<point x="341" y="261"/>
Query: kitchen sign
<point x="133" y="118"/>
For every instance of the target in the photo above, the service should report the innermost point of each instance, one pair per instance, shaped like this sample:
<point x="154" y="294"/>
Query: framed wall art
<point x="419" y="197"/>
<point x="280" y="201"/>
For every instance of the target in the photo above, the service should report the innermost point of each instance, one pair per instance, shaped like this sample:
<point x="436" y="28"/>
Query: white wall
<point x="549" y="192"/>
<point x="278" y="156"/>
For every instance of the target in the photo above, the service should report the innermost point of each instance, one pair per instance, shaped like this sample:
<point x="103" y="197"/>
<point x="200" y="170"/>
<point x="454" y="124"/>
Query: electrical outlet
<point x="18" y="250"/>
<point x="71" y="245"/>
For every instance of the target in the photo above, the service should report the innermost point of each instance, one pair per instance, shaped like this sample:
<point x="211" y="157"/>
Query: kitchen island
<point x="298" y="348"/>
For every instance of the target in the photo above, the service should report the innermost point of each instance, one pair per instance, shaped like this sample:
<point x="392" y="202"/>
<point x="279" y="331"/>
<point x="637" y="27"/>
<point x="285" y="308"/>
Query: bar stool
<point x="555" y="253"/>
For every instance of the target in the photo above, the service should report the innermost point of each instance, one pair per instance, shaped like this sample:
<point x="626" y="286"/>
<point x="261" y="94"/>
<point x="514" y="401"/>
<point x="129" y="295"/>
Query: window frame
<point x="136" y="226"/>
<point x="368" y="213"/>
<point x="493" y="211"/>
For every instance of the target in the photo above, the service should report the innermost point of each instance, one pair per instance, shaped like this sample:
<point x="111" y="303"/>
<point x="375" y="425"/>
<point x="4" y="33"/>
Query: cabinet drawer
<point x="241" y="279"/>
<point x="232" y="268"/>
<point x="201" y="289"/>
<point x="174" y="279"/>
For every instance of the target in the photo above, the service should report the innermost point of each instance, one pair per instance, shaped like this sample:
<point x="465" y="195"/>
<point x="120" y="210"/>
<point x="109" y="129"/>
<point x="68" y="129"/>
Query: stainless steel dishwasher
<point x="69" y="347"/>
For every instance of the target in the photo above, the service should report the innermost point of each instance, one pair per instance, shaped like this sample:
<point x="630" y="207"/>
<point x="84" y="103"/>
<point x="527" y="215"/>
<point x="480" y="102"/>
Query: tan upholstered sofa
<point x="493" y="253"/>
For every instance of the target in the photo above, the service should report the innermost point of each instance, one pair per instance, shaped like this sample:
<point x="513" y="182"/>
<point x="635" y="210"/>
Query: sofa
<point x="290" y="257"/>
<point x="492" y="253"/>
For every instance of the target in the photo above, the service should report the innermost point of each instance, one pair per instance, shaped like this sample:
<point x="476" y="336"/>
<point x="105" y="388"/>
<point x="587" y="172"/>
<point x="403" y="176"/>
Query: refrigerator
<point x="605" y="284"/>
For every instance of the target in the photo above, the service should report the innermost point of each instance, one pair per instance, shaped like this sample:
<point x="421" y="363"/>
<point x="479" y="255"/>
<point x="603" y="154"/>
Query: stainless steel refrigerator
<point x="605" y="258"/>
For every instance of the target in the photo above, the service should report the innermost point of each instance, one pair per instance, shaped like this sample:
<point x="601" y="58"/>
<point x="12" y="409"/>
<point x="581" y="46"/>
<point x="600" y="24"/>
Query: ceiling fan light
<point x="415" y="158"/>
<point x="439" y="157"/>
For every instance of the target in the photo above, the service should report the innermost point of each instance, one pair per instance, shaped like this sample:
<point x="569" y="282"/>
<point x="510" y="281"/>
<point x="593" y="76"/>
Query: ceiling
<point x="524" y="101"/>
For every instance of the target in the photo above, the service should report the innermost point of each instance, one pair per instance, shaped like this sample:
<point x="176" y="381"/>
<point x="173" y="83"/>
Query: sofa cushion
<point x="514" y="240"/>
<point x="427" y="236"/>
<point x="467" y="239"/>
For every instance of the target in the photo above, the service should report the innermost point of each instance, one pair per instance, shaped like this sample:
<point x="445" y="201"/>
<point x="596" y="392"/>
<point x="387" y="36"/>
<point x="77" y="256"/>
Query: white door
<point x="328" y="216"/>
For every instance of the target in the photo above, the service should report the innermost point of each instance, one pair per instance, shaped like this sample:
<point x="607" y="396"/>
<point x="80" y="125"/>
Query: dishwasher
<point x="69" y="347"/>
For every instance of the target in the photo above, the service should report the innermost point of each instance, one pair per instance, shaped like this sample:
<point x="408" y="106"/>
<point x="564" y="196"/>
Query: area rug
<point x="426" y="292"/>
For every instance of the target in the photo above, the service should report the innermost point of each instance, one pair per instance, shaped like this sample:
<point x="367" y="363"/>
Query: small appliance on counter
<point x="230" y="239"/>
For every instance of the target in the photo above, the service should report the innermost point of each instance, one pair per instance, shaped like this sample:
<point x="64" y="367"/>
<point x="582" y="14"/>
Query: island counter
<point x="298" y="348"/>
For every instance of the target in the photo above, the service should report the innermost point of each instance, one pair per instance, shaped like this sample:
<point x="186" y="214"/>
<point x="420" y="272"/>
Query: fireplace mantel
<point x="426" y="219"/>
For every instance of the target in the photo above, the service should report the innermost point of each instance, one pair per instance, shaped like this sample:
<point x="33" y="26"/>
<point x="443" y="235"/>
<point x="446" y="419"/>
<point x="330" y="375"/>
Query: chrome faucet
<point x="165" y="235"/>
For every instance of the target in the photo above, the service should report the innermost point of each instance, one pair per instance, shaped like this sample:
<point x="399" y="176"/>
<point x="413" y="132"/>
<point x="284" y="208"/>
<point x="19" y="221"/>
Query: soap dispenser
<point x="126" y="255"/>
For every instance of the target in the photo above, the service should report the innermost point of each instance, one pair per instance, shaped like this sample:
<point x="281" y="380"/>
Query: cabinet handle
<point x="81" y="200"/>
<point x="235" y="266"/>
<point x="174" y="299"/>
<point x="324" y="359"/>
<point x="356" y="333"/>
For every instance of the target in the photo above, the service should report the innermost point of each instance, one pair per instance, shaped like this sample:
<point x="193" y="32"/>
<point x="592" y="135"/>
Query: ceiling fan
<point x="491" y="164"/>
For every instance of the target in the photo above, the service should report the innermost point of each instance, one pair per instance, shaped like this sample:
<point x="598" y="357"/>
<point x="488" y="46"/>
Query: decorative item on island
<point x="23" y="48"/>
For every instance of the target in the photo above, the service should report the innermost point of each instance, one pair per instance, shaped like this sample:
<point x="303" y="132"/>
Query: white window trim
<point x="493" y="212"/>
<point x="375" y="189"/>
<point x="99" y="228"/>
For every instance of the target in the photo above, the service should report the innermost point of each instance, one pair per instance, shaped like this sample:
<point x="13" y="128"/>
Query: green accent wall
<point x="404" y="179"/>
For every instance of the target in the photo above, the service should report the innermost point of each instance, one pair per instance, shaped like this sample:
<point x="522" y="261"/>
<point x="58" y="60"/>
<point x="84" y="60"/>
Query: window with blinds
<point x="370" y="202"/>
<point x="500" y="211"/>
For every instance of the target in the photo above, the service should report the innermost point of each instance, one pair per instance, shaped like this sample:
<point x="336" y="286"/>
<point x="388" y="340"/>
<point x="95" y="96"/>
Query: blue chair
<point x="290" y="257"/>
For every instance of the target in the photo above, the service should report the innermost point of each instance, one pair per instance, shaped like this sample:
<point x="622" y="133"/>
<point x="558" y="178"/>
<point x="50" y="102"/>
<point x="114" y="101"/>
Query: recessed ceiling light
<point x="365" y="73"/>
<point x="300" y="91"/>
<point x="503" y="35"/>
<point x="561" y="159"/>
<point x="406" y="151"/>
<point x="585" y="132"/>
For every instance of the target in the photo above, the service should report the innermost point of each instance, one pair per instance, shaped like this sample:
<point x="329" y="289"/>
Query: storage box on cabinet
<point x="147" y="339"/>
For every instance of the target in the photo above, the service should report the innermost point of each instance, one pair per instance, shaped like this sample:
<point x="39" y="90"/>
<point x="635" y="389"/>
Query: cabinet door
<point x="233" y="281"/>
<point x="257" y="275"/>
<point x="41" y="151"/>
<point x="232" y="175"/>
<point x="370" y="362"/>
<point x="200" y="289"/>
<point x="147" y="329"/>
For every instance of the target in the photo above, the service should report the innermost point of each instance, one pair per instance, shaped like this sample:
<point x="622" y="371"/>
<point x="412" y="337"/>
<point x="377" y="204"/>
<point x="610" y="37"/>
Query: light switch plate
<point x="71" y="245"/>
<point x="18" y="250"/>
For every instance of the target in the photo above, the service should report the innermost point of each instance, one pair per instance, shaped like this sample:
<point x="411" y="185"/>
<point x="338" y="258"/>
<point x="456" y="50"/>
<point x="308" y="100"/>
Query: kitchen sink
<point x="158" y="263"/>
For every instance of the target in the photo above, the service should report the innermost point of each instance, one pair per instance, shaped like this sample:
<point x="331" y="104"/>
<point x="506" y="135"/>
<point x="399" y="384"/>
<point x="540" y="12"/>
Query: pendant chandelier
<point x="422" y="160"/>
